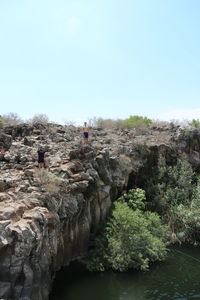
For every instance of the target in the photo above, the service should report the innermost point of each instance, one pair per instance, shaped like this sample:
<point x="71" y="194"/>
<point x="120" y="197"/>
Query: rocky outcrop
<point x="48" y="216"/>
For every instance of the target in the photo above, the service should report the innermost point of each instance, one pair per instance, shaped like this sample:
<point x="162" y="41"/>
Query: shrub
<point x="187" y="219"/>
<point x="137" y="121"/>
<point x="177" y="200"/>
<point x="170" y="185"/>
<point x="132" y="238"/>
<point x="188" y="216"/>
<point x="11" y="119"/>
<point x="135" y="198"/>
<point x="161" y="124"/>
<point x="39" y="118"/>
<point x="195" y="123"/>
<point x="105" y="123"/>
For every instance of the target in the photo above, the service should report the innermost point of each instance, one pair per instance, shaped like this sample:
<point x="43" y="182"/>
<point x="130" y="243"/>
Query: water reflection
<point x="177" y="279"/>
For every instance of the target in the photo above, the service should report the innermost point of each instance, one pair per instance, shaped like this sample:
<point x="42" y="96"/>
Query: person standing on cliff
<point x="85" y="134"/>
<point x="41" y="153"/>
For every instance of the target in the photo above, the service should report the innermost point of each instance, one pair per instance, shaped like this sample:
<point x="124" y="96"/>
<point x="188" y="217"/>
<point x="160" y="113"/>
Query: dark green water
<point x="177" y="278"/>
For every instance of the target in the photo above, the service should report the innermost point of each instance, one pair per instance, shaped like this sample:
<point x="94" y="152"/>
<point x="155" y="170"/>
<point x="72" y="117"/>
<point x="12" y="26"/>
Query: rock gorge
<point x="47" y="217"/>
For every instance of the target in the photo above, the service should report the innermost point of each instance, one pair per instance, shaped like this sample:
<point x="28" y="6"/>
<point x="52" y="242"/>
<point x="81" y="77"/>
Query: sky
<point x="78" y="59"/>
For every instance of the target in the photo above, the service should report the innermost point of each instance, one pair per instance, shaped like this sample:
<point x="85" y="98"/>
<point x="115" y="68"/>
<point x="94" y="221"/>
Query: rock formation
<point x="47" y="216"/>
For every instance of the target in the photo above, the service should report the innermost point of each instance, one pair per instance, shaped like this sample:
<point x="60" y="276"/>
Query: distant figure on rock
<point x="2" y="149"/>
<point x="41" y="153"/>
<point x="85" y="134"/>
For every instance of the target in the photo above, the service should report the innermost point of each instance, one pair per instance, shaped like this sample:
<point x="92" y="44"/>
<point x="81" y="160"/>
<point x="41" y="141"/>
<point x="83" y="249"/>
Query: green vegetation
<point x="135" y="121"/>
<point x="195" y="123"/>
<point x="172" y="192"/>
<point x="1" y="122"/>
<point x="39" y="118"/>
<point x="170" y="185"/>
<point x="139" y="123"/>
<point x="132" y="238"/>
<point x="135" y="199"/>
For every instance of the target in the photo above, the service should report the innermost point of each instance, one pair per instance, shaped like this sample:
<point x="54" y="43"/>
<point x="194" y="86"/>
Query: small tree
<point x="69" y="122"/>
<point x="39" y="118"/>
<point x="132" y="237"/>
<point x="177" y="199"/>
<point x="11" y="119"/>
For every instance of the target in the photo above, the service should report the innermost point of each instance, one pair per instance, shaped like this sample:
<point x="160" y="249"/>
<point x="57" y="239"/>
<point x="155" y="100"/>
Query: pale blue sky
<point x="74" y="60"/>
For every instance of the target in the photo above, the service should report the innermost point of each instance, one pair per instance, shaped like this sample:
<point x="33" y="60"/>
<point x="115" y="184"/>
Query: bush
<point x="39" y="118"/>
<point x="131" y="239"/>
<point x="135" y="198"/>
<point x="177" y="200"/>
<point x="134" y="238"/>
<point x="162" y="124"/>
<point x="188" y="219"/>
<point x="170" y="185"/>
<point x="137" y="121"/>
<point x="105" y="123"/>
<point x="11" y="119"/>
<point x="195" y="123"/>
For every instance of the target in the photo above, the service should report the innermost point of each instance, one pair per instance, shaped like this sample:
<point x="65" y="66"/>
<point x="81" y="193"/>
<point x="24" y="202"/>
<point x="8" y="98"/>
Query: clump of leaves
<point x="135" y="198"/>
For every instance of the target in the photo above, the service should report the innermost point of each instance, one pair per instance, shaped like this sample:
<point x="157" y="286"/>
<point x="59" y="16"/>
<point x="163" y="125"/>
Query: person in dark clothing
<point x="85" y="134"/>
<point x="41" y="153"/>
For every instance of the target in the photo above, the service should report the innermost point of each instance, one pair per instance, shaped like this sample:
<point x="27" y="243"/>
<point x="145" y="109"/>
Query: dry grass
<point x="49" y="181"/>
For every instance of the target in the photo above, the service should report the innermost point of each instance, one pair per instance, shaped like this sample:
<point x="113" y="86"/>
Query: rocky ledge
<point x="47" y="216"/>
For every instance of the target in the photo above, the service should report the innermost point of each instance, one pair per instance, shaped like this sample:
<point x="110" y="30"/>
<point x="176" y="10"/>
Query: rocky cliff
<point x="47" y="216"/>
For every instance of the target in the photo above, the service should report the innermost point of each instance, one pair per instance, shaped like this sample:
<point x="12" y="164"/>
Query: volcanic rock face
<point x="47" y="216"/>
